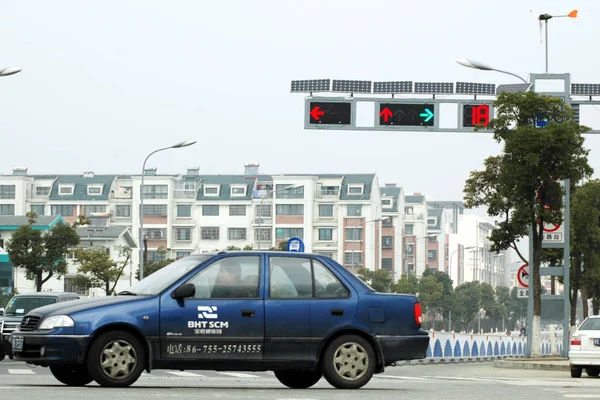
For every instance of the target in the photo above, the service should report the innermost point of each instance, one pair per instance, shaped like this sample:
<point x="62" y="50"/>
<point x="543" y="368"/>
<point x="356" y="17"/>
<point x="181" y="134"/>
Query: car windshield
<point x="19" y="306"/>
<point x="591" y="324"/>
<point x="163" y="278"/>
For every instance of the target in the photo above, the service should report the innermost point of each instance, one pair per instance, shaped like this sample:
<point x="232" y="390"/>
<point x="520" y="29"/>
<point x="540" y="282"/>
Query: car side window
<point x="327" y="285"/>
<point x="290" y="277"/>
<point x="235" y="277"/>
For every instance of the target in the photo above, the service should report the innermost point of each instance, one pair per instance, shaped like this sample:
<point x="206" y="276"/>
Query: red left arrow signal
<point x="386" y="114"/>
<point x="316" y="112"/>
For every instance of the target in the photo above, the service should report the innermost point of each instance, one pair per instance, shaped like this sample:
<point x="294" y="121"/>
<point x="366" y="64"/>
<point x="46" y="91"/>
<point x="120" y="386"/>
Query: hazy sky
<point x="106" y="82"/>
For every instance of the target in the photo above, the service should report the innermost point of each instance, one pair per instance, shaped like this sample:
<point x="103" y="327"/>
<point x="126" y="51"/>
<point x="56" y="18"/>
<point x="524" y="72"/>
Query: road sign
<point x="522" y="293"/>
<point x="330" y="113"/>
<point x="523" y="276"/>
<point x="476" y="114"/>
<point x="553" y="233"/>
<point x="295" y="244"/>
<point x="406" y="114"/>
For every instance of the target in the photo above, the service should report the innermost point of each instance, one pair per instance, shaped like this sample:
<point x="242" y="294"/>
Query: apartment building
<point x="416" y="234"/>
<point x="392" y="240"/>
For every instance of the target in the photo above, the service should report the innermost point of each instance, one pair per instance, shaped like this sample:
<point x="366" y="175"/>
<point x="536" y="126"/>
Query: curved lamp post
<point x="260" y="207"/>
<point x="175" y="146"/>
<point x="354" y="235"/>
<point x="483" y="67"/>
<point x="9" y="71"/>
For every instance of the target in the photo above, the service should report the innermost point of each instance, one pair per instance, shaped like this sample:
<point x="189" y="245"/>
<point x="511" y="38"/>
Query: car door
<point x="225" y="317"/>
<point x="287" y="309"/>
<point x="334" y="303"/>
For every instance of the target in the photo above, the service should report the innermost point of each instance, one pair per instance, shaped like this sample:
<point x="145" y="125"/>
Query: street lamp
<point x="260" y="206"/>
<point x="450" y="264"/>
<point x="545" y="18"/>
<point x="406" y="251"/>
<point x="354" y="235"/>
<point x="483" y="67"/>
<point x="9" y="71"/>
<point x="175" y="146"/>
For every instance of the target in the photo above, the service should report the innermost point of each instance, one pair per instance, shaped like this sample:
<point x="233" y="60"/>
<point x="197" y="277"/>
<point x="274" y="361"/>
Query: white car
<point x="585" y="348"/>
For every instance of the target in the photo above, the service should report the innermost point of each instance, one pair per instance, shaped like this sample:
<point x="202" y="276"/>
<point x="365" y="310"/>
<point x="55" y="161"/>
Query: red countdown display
<point x="476" y="115"/>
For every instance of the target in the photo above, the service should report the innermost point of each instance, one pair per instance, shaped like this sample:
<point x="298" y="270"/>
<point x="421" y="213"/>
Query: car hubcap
<point x="351" y="361"/>
<point x="118" y="359"/>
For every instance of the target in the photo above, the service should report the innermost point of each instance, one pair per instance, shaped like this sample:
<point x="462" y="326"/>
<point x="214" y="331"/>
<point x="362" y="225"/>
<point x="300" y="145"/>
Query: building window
<point x="210" y="210"/>
<point x="330" y="190"/>
<point x="156" y="256"/>
<point x="389" y="221"/>
<point x="286" y="233"/>
<point x="408" y="210"/>
<point x="265" y="234"/>
<point x="297" y="193"/>
<point x="326" y="234"/>
<point x="263" y="211"/>
<point x="65" y="190"/>
<point x="94" y="190"/>
<point x="211" y="190"/>
<point x="210" y="233"/>
<point x="290" y="209"/>
<point x="155" y="191"/>
<point x="181" y="254"/>
<point x="63" y="210"/>
<point x="7" y="209"/>
<point x="7" y="192"/>
<point x="386" y="202"/>
<point x="236" y="233"/>
<point x="355" y="189"/>
<point x="238" y="191"/>
<point x="353" y="234"/>
<point x="325" y="253"/>
<point x="353" y="258"/>
<point x="155" y="210"/>
<point x="88" y="209"/>
<point x="183" y="234"/>
<point x="70" y="287"/>
<point x="431" y="222"/>
<point x="326" y="210"/>
<point x="387" y="264"/>
<point x="237" y="210"/>
<point x="387" y="242"/>
<point x="42" y="191"/>
<point x="38" y="209"/>
<point x="432" y="255"/>
<point x="410" y="248"/>
<point x="123" y="211"/>
<point x="184" y="210"/>
<point x="155" y="233"/>
<point x="354" y="210"/>
<point x="409" y="229"/>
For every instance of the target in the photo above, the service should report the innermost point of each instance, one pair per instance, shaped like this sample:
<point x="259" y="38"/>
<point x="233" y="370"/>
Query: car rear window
<point x="591" y="324"/>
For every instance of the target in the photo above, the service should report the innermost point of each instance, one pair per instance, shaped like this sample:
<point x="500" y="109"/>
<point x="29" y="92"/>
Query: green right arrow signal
<point x="427" y="114"/>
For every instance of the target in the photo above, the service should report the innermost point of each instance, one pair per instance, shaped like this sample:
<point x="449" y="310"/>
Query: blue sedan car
<point x="303" y="316"/>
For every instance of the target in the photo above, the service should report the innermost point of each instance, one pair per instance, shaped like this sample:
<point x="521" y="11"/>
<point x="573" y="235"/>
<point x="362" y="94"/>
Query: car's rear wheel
<point x="348" y="362"/>
<point x="298" y="379"/>
<point x="592" y="371"/>
<point x="116" y="359"/>
<point x="2" y="352"/>
<point x="71" y="375"/>
<point x="575" y="372"/>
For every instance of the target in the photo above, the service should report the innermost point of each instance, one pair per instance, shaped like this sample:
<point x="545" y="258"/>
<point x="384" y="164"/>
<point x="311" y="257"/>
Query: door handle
<point x="337" y="311"/>
<point x="247" y="313"/>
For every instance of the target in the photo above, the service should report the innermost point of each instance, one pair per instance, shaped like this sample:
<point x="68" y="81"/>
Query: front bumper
<point x="401" y="348"/>
<point x="47" y="349"/>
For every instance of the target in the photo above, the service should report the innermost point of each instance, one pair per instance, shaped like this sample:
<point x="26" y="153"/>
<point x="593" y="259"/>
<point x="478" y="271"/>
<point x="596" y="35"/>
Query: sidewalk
<point x="545" y="363"/>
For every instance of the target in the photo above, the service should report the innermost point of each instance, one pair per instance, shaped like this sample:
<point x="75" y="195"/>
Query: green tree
<point x="467" y="302"/>
<point x="42" y="256"/>
<point x="97" y="269"/>
<point x="406" y="285"/>
<point x="516" y="184"/>
<point x="379" y="280"/>
<point x="431" y="293"/>
<point x="152" y="267"/>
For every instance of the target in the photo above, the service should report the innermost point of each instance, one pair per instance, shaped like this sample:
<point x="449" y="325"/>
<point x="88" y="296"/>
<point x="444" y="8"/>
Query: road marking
<point x="582" y="396"/>
<point x="400" y="377"/>
<point x="21" y="372"/>
<point x="186" y="374"/>
<point x="238" y="375"/>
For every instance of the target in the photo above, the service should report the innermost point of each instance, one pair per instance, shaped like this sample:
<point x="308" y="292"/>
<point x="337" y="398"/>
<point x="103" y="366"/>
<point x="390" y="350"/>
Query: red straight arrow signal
<point x="316" y="112"/>
<point x="386" y="113"/>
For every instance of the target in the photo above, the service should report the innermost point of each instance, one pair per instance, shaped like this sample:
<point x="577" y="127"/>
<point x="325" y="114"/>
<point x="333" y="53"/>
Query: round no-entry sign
<point x="523" y="275"/>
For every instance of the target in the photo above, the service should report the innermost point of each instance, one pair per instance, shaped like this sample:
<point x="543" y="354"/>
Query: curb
<point x="540" y="366"/>
<point x="451" y="360"/>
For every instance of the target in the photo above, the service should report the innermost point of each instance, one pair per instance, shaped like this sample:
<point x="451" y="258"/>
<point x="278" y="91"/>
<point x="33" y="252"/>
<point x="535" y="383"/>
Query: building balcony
<point x="184" y="194"/>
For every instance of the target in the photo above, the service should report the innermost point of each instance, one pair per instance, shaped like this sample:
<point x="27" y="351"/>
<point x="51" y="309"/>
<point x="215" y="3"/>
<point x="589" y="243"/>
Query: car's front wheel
<point x="348" y="362"/>
<point x="592" y="371"/>
<point x="116" y="359"/>
<point x="71" y="375"/>
<point x="298" y="379"/>
<point x="576" y="372"/>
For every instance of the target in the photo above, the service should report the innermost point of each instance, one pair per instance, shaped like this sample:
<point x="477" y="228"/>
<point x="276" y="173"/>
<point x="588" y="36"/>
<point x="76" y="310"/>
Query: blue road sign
<point x="295" y="244"/>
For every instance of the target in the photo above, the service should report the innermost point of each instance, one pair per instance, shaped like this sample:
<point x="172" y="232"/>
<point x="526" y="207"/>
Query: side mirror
<point x="183" y="291"/>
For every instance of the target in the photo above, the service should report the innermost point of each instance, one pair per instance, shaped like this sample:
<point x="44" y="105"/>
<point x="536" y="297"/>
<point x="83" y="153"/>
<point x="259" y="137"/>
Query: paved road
<point x="462" y="381"/>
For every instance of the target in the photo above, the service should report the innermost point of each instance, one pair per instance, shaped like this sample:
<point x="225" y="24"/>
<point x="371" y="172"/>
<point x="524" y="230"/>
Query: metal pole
<point x="567" y="268"/>
<point x="142" y="222"/>
<point x="546" y="26"/>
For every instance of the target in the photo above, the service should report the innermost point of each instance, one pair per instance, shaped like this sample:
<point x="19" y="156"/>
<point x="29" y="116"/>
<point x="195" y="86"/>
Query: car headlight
<point x="57" y="321"/>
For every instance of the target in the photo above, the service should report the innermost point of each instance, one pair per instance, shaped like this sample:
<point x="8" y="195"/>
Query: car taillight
<point x="418" y="315"/>
<point x="576" y="341"/>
